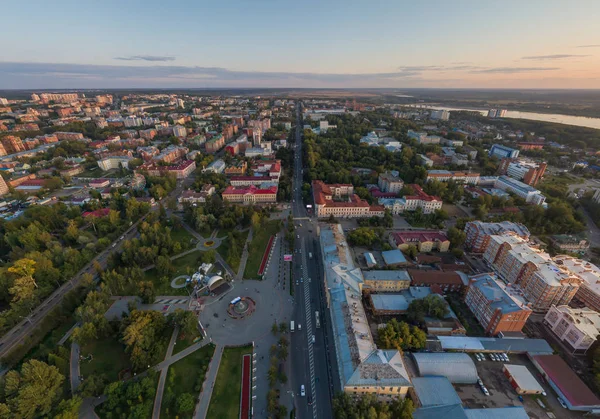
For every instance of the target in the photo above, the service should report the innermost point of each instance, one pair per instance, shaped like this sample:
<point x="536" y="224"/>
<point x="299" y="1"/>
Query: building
<point x="424" y="240"/>
<point x="423" y="138"/>
<point x="467" y="178"/>
<point x="132" y="121"/>
<point x="531" y="145"/>
<point x="12" y="144"/>
<point x="148" y="134"/>
<point x="426" y="161"/>
<point x="392" y="304"/>
<point x="69" y="136"/>
<point x="497" y="307"/>
<point x="440" y="114"/>
<point x="214" y="144"/>
<point x="433" y="391"/>
<point x="370" y="259"/>
<point x="566" y="383"/>
<point x="503" y="152"/>
<point x="253" y="181"/>
<point x="521" y="379"/>
<point x="237" y="168"/>
<point x="458" y="368"/>
<point x="496" y="113"/>
<point x="250" y="195"/>
<point x="385" y="281"/>
<point x="58" y="97"/>
<point x="193" y="197"/>
<point x="216" y="166"/>
<point x="427" y="203"/>
<point x="390" y="182"/>
<point x="393" y="258"/>
<point x="441" y="281"/>
<point x="528" y="173"/>
<point x="114" y="162"/>
<point x="180" y="170"/>
<point x="171" y="154"/>
<point x="478" y="233"/>
<point x="570" y="242"/>
<point x="3" y="187"/>
<point x="362" y="368"/>
<point x="179" y="131"/>
<point x="340" y="200"/>
<point x="542" y="281"/>
<point x="589" y="291"/>
<point x="99" y="183"/>
<point x="528" y="193"/>
<point x="577" y="328"/>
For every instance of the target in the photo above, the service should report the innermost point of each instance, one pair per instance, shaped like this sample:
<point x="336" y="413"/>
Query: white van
<point x="302" y="390"/>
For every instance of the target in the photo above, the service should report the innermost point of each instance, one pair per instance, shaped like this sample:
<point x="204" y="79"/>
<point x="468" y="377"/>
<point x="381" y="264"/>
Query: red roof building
<point x="102" y="212"/>
<point x="340" y="200"/>
<point x="250" y="195"/>
<point x="424" y="240"/>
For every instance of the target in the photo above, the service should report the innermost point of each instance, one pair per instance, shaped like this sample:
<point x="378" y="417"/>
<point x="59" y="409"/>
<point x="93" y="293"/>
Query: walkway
<point x="209" y="383"/>
<point x="74" y="367"/>
<point x="218" y="256"/>
<point x="244" y="258"/>
<point x="68" y="334"/>
<point x="163" y="376"/>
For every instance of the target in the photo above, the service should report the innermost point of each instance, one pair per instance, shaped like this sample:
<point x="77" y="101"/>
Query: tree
<point x="283" y="327"/>
<point x="143" y="337"/>
<point x="457" y="237"/>
<point x="411" y="251"/>
<point x="401" y="336"/>
<point x="274" y="329"/>
<point x="185" y="403"/>
<point x="24" y="285"/>
<point x="69" y="409"/>
<point x="185" y="320"/>
<point x="163" y="265"/>
<point x="33" y="391"/>
<point x="146" y="291"/>
<point x="431" y="306"/>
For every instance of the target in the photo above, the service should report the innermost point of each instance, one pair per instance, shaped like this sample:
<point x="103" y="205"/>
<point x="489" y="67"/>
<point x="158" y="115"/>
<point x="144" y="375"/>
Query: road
<point x="310" y="361"/>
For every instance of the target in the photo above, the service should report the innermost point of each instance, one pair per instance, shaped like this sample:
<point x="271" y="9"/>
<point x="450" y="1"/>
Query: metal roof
<point x="435" y="391"/>
<point x="523" y="378"/>
<point x="386" y="275"/>
<point x="390" y="302"/>
<point x="456" y="367"/>
<point x="392" y="257"/>
<point x="463" y="343"/>
<point x="512" y="412"/>
<point x="454" y="411"/>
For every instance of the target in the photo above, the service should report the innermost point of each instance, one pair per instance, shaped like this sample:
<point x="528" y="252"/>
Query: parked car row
<point x="482" y="387"/>
<point x="501" y="357"/>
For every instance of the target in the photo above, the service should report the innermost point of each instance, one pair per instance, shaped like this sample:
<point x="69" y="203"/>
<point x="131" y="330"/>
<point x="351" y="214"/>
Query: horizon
<point x="337" y="45"/>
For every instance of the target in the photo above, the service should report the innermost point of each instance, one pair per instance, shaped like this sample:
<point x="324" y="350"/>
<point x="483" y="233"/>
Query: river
<point x="580" y="121"/>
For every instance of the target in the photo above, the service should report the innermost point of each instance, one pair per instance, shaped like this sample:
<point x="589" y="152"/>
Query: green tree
<point x="457" y="237"/>
<point x="401" y="336"/>
<point x="185" y="320"/>
<point x="24" y="285"/>
<point x="69" y="408"/>
<point x="142" y="337"/>
<point x="185" y="403"/>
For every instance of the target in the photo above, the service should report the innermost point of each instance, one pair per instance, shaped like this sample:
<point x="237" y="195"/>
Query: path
<point x="74" y="366"/>
<point x="163" y="376"/>
<point x="244" y="258"/>
<point x="68" y="334"/>
<point x="209" y="382"/>
<point x="217" y="255"/>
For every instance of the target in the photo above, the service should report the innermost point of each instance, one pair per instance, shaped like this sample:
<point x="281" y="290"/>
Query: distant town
<point x="214" y="255"/>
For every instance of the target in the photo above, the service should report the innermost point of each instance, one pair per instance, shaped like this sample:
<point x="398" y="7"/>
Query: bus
<point x="318" y="321"/>
<point x="292" y="328"/>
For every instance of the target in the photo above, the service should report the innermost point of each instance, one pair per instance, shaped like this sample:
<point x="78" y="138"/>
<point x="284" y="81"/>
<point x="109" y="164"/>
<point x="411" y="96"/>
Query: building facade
<point x="424" y="241"/>
<point x="478" y="233"/>
<point x="503" y="152"/>
<point x="577" y="328"/>
<point x="340" y="200"/>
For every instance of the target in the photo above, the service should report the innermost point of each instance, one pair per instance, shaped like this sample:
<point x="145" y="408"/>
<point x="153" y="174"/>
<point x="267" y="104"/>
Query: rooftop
<point x="464" y="343"/>
<point x="393" y="257"/>
<point x="584" y="319"/>
<point x="524" y="379"/>
<point x="386" y="275"/>
<point x="435" y="391"/>
<point x="402" y="237"/>
<point x="501" y="227"/>
<point x="506" y="298"/>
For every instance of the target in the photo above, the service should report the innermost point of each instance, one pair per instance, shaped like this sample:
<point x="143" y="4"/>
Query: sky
<point x="71" y="44"/>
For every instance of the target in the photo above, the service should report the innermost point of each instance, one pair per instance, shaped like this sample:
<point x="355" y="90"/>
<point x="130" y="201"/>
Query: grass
<point x="257" y="247"/>
<point x="183" y="341"/>
<point x="225" y="400"/>
<point x="109" y="358"/>
<point x="185" y="376"/>
<point x="181" y="266"/>
<point x="225" y="248"/>
<point x="184" y="237"/>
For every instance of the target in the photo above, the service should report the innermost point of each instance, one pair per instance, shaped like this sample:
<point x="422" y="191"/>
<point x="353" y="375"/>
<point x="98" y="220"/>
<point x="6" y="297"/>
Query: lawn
<point x="225" y="248"/>
<point x="184" y="237"/>
<point x="225" y="400"/>
<point x="185" y="376"/>
<point x="257" y="247"/>
<point x="109" y="358"/>
<point x="183" y="266"/>
<point x="183" y="341"/>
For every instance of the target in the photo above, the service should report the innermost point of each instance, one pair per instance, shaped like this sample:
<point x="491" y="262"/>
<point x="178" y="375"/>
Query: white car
<point x="485" y="391"/>
<point x="477" y="357"/>
<point x="493" y="356"/>
<point x="483" y="358"/>
<point x="562" y="402"/>
<point x="302" y="390"/>
<point x="506" y="358"/>
<point x="480" y="382"/>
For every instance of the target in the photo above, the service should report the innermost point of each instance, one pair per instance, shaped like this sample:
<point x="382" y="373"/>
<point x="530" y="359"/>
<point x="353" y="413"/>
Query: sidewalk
<point x="209" y="382"/>
<point x="74" y="366"/>
<point x="244" y="258"/>
<point x="163" y="376"/>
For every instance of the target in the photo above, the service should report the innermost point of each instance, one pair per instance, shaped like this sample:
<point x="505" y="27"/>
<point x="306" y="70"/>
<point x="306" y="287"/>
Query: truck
<point x="292" y="327"/>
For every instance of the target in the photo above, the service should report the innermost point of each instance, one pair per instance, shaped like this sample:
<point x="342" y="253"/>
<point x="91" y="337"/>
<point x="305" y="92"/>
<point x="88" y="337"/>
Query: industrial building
<point x="458" y="367"/>
<point x="521" y="379"/>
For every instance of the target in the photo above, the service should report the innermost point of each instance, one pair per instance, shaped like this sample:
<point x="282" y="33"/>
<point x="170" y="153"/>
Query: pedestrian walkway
<point x="68" y="334"/>
<point x="209" y="383"/>
<point x="217" y="255"/>
<point x="163" y="376"/>
<point x="244" y="258"/>
<point x="74" y="367"/>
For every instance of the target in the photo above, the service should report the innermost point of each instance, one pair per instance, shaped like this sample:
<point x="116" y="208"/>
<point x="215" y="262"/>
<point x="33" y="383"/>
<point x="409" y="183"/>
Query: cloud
<point x="513" y="70"/>
<point x="553" y="57"/>
<point x="439" y="68"/>
<point x="146" y="58"/>
<point x="589" y="46"/>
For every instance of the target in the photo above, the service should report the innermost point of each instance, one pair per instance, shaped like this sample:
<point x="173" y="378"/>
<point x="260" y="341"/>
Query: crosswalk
<point x="171" y="301"/>
<point x="309" y="329"/>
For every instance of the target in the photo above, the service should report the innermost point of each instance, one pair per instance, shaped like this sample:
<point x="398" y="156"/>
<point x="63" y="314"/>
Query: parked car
<point x="506" y="358"/>
<point x="480" y="382"/>
<point x="483" y="358"/>
<point x="562" y="402"/>
<point x="477" y="357"/>
<point x="493" y="357"/>
<point x="485" y="391"/>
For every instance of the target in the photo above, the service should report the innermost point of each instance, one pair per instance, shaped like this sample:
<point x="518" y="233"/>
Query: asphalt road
<point x="310" y="364"/>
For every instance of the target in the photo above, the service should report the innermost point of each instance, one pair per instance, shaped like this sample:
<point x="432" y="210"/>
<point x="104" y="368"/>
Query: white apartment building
<point x="132" y="121"/>
<point x="179" y="131"/>
<point x="467" y="178"/>
<point x="577" y="328"/>
<point x="114" y="162"/>
<point x="589" y="291"/>
<point x="440" y="114"/>
<point x="528" y="193"/>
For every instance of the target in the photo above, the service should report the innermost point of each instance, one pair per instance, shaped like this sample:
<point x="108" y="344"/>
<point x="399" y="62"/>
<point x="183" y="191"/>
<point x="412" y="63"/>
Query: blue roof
<point x="454" y="411"/>
<point x="435" y="391"/>
<point x="512" y="412"/>
<point x="392" y="257"/>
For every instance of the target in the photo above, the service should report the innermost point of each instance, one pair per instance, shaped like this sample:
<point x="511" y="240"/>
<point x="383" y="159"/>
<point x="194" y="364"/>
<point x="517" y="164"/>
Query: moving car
<point x="302" y="390"/>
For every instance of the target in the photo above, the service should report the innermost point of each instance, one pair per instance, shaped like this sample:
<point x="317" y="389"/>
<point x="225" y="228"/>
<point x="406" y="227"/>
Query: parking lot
<point x="502" y="393"/>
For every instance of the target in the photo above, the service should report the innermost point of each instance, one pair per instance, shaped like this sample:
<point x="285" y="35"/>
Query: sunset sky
<point x="461" y="44"/>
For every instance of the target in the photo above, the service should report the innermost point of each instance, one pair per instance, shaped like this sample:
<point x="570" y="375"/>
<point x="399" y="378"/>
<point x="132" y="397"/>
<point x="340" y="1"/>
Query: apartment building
<point x="259" y="181"/>
<point x="467" y="178"/>
<point x="578" y="329"/>
<point x="132" y="121"/>
<point x="390" y="182"/>
<point x="528" y="193"/>
<point x="179" y="131"/>
<point x="69" y="136"/>
<point x="503" y="152"/>
<point x="236" y="168"/>
<point x="440" y="114"/>
<point x="214" y="144"/>
<point x="531" y="145"/>
<point x="427" y="203"/>
<point x="181" y="170"/>
<point x="424" y="240"/>
<point x="542" y="281"/>
<point x="589" y="291"/>
<point x="250" y="195"/>
<point x="3" y="187"/>
<point x="59" y="97"/>
<point x="527" y="172"/>
<point x="114" y="162"/>
<point x="497" y="307"/>
<point x="340" y="200"/>
<point x="12" y="144"/>
<point x="478" y="233"/>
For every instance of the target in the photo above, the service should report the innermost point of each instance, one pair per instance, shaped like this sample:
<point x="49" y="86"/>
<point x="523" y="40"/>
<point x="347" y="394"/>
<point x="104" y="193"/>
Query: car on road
<point x="313" y="338"/>
<point x="562" y="402"/>
<point x="302" y="390"/>
<point x="309" y="401"/>
<point x="298" y="236"/>
<point x="544" y="393"/>
<point x="299" y="326"/>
